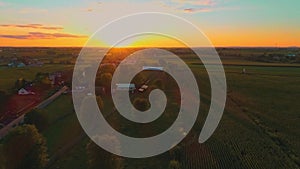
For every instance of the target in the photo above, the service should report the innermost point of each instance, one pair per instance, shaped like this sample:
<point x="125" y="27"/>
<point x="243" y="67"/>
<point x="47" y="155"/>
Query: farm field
<point x="260" y="127"/>
<point x="10" y="75"/>
<point x="259" y="106"/>
<point x="173" y="84"/>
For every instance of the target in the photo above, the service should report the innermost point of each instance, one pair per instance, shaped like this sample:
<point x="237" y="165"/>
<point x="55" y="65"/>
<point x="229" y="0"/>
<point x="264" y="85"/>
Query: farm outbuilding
<point x="21" y="65"/>
<point x="152" y="68"/>
<point x="23" y="91"/>
<point x="126" y="86"/>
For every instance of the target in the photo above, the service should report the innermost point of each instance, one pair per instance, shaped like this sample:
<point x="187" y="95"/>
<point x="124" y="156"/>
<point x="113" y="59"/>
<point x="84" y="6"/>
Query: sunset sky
<point x="225" y="22"/>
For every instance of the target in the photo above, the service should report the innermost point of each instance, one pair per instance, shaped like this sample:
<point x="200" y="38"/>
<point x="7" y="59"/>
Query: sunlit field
<point x="259" y="127"/>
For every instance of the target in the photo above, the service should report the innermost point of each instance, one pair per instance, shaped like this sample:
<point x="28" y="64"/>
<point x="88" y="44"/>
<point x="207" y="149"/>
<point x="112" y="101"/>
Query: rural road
<point x="51" y="98"/>
<point x="20" y="119"/>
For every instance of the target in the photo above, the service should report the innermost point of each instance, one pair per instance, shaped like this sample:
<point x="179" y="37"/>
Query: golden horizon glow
<point x="219" y="39"/>
<point x="237" y="25"/>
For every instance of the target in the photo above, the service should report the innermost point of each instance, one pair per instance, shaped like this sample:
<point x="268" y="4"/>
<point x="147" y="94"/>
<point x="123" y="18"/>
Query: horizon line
<point x="151" y="47"/>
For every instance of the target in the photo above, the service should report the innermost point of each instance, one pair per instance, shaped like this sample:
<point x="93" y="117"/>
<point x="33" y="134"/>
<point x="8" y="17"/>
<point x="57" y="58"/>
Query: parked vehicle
<point x="143" y="88"/>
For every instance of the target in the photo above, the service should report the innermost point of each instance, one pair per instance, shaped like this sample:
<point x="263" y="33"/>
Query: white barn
<point x="23" y="91"/>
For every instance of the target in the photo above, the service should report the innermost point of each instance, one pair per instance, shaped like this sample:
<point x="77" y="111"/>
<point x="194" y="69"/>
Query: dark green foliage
<point x="24" y="148"/>
<point x="40" y="76"/>
<point x="174" y="165"/>
<point x="20" y="83"/>
<point x="3" y="97"/>
<point x="141" y="104"/>
<point x="159" y="84"/>
<point x="139" y="79"/>
<point x="107" y="68"/>
<point x="100" y="102"/>
<point x="104" y="80"/>
<point x="100" y="159"/>
<point x="37" y="118"/>
<point x="175" y="153"/>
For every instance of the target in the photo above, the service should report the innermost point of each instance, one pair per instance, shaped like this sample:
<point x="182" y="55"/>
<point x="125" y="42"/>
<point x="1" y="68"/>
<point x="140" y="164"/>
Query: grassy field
<point x="63" y="124"/>
<point x="10" y="75"/>
<point x="259" y="129"/>
<point x="65" y="139"/>
<point x="260" y="125"/>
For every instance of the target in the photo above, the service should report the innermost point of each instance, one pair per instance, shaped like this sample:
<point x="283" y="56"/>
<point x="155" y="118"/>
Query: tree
<point x="100" y="159"/>
<point x="175" y="153"/>
<point x="3" y="97"/>
<point x="40" y="76"/>
<point x="20" y="83"/>
<point x="140" y="78"/>
<point x="141" y="104"/>
<point x="109" y="68"/>
<point x="174" y="165"/>
<point x="105" y="80"/>
<point x="37" y="118"/>
<point x="100" y="102"/>
<point x="23" y="148"/>
<point x="159" y="84"/>
<point x="2" y="160"/>
<point x="46" y="81"/>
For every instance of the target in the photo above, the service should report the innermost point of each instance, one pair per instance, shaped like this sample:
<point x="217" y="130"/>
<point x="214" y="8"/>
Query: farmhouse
<point x="23" y="91"/>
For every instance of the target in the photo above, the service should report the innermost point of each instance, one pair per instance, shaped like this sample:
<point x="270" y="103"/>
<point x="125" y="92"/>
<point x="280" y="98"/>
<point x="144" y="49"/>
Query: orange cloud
<point x="193" y="10"/>
<point x="33" y="26"/>
<point x="194" y="6"/>
<point x="196" y="2"/>
<point x="41" y="35"/>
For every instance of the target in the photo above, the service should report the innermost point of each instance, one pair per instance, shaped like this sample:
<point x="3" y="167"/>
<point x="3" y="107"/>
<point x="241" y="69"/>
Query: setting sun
<point x="235" y="23"/>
